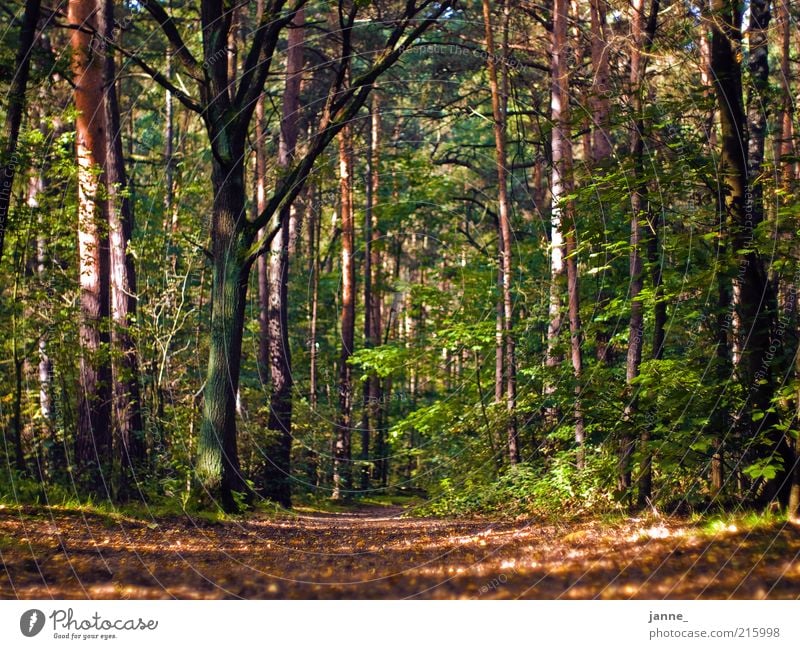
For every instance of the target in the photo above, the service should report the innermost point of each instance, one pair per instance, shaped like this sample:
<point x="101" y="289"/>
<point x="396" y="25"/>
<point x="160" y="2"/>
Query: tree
<point x="226" y="104"/>
<point x="642" y="34"/>
<point x="342" y="468"/>
<point x="277" y="480"/>
<point x="15" y="111"/>
<point x="126" y="416"/>
<point x="93" y="439"/>
<point x="505" y="239"/>
<point x="563" y="210"/>
<point x="754" y="299"/>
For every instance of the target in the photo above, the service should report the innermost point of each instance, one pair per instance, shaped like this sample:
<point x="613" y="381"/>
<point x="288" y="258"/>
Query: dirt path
<point x="376" y="554"/>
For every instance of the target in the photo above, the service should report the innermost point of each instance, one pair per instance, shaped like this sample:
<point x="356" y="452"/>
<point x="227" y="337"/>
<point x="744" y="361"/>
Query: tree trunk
<point x="601" y="143"/>
<point x="563" y="213"/>
<point x="93" y="438"/>
<point x="506" y="265"/>
<point x="126" y="408"/>
<point x="314" y="234"/>
<point x="15" y="110"/>
<point x="785" y="143"/>
<point x="372" y="324"/>
<point x="753" y="297"/>
<point x="342" y="472"/>
<point x="560" y="145"/>
<point x="262" y="265"/>
<point x="277" y="479"/>
<point x="218" y="458"/>
<point x="642" y="34"/>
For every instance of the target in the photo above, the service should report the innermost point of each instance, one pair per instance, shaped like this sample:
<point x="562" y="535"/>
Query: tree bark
<point x="15" y="110"/>
<point x="342" y="471"/>
<point x="560" y="145"/>
<point x="277" y="479"/>
<point x="128" y="436"/>
<point x="563" y="214"/>
<point x="218" y="458"/>
<point x="372" y="324"/>
<point x="93" y="437"/>
<point x="506" y="265"/>
<point x="785" y="144"/>
<point x="753" y="297"/>
<point x="601" y="142"/>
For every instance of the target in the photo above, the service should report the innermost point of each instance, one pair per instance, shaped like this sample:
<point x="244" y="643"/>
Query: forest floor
<point x="374" y="553"/>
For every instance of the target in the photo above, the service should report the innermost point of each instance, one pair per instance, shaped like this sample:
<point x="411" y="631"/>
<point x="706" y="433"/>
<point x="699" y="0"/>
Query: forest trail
<point x="375" y="553"/>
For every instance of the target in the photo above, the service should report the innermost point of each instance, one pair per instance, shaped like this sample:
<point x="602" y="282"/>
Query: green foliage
<point x="552" y="489"/>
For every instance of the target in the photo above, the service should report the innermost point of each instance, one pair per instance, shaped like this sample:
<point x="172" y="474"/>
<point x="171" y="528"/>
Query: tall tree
<point x="600" y="104"/>
<point x="505" y="239"/>
<point x="15" y="111"/>
<point x="642" y="34"/>
<point x="93" y="438"/>
<point x="277" y="481"/>
<point x="342" y="471"/>
<point x="126" y="407"/>
<point x="754" y="299"/>
<point x="564" y="244"/>
<point x="235" y="245"/>
<point x="372" y="311"/>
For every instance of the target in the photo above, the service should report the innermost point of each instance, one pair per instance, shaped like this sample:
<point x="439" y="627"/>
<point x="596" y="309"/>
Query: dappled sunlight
<point x="379" y="555"/>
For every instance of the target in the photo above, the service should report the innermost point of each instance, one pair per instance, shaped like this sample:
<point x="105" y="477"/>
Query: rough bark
<point x="218" y="458"/>
<point x="93" y="436"/>
<point x="753" y="298"/>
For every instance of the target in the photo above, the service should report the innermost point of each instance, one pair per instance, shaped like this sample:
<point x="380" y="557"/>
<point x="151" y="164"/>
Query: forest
<point x="477" y="289"/>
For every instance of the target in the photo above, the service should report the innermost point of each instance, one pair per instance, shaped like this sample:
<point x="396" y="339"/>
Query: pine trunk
<point x="126" y="408"/>
<point x="342" y="471"/>
<point x="93" y="436"/>
<point x="505" y="239"/>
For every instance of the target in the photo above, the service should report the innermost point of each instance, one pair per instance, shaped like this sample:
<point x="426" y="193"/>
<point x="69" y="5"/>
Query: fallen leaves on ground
<point x="377" y="554"/>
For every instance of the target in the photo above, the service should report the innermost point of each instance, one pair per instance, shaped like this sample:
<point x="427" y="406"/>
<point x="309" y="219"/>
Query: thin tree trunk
<point x="560" y="145"/>
<point x="342" y="472"/>
<point x="372" y="325"/>
<point x="642" y="34"/>
<point x="262" y="264"/>
<point x="93" y="438"/>
<point x="315" y="230"/>
<point x="785" y="144"/>
<point x="498" y="112"/>
<point x="563" y="213"/>
<point x="277" y="479"/>
<point x="314" y="233"/>
<point x="15" y="110"/>
<point x="126" y="408"/>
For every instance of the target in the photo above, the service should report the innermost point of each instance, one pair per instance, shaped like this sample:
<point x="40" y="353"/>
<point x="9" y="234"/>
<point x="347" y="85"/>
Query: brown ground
<point x="375" y="554"/>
